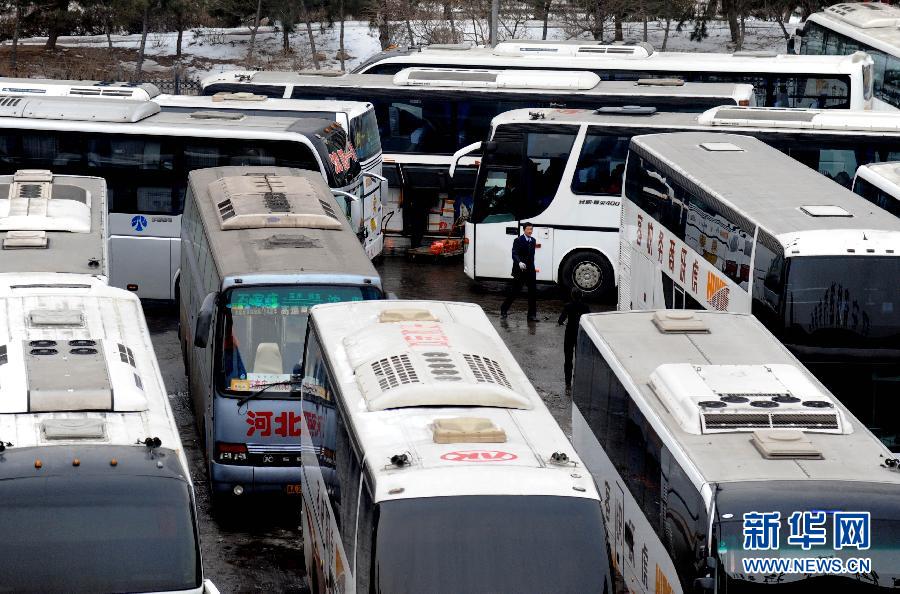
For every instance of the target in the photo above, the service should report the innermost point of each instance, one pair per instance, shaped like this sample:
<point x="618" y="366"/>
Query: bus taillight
<point x="231" y="452"/>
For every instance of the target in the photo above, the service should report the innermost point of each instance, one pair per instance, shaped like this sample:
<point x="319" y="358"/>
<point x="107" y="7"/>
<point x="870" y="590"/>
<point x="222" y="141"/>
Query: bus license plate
<point x="292" y="489"/>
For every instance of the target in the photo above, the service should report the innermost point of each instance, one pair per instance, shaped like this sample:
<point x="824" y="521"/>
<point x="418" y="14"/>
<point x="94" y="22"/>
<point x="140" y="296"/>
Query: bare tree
<point x="145" y="26"/>
<point x="309" y="32"/>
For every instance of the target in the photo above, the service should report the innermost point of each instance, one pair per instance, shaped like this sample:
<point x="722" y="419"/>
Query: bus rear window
<point x="490" y="543"/>
<point x="129" y="534"/>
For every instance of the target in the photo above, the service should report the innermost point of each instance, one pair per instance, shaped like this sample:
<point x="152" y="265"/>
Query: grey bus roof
<point x="385" y="81"/>
<point x="36" y="239"/>
<point x="276" y="250"/>
<point x="777" y="201"/>
<point x="636" y="345"/>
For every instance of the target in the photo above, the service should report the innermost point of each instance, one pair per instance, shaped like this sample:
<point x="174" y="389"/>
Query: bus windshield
<point x="521" y="172"/>
<point x="490" y="543"/>
<point x="262" y="331"/>
<point x="745" y="571"/>
<point x="843" y="300"/>
<point x="122" y="534"/>
<point x="365" y="136"/>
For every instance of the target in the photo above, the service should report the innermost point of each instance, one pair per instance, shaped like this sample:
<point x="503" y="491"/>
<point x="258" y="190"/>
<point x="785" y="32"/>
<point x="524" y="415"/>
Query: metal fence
<point x="176" y="85"/>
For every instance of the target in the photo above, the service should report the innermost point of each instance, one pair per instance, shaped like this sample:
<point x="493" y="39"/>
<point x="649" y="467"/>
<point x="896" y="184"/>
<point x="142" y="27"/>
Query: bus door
<point x="543" y="252"/>
<point x="144" y="253"/>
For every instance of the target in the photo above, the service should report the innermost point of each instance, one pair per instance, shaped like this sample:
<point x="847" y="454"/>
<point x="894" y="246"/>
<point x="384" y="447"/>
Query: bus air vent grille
<point x="328" y="210"/>
<point x="486" y="370"/>
<point x="88" y="92"/>
<point x="10" y="101"/>
<point x="726" y="398"/>
<point x="394" y="371"/>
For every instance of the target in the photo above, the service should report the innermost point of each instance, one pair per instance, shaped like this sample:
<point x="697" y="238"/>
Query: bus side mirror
<point x="454" y="160"/>
<point x="704" y="585"/>
<point x="204" y="321"/>
<point x="209" y="587"/>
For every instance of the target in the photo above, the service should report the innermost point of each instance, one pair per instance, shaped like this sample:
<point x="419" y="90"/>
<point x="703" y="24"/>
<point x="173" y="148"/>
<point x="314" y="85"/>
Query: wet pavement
<point x="255" y="545"/>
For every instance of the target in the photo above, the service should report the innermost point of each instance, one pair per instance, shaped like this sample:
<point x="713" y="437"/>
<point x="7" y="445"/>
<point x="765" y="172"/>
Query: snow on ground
<point x="215" y="50"/>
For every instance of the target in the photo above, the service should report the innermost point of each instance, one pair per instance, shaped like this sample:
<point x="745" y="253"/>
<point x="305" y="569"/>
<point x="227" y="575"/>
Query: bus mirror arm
<point x="380" y="178"/>
<point x="209" y="587"/>
<point x="204" y="321"/>
<point x="454" y="160"/>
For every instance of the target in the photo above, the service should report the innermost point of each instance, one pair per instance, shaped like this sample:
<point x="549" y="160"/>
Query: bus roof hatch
<point x="865" y="15"/>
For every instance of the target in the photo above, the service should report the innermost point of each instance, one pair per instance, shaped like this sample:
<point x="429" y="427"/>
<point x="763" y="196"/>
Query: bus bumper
<point x="255" y="479"/>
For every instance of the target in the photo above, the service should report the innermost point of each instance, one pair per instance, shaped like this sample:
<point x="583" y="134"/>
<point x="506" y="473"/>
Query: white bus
<point x="725" y="222"/>
<point x="357" y="118"/>
<point x="871" y="27"/>
<point x="426" y="114"/>
<point x="96" y="488"/>
<point x="879" y="183"/>
<point x="724" y="465"/>
<point x="145" y="157"/>
<point x="50" y="87"/>
<point x="53" y="223"/>
<point x="779" y="80"/>
<point x="562" y="170"/>
<point x="261" y="245"/>
<point x="448" y="473"/>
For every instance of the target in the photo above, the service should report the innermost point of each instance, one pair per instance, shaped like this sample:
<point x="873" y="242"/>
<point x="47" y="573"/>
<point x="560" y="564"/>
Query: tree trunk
<point x="145" y="26"/>
<point x="666" y="34"/>
<point x="740" y="44"/>
<point x="728" y="6"/>
<point x="309" y="32"/>
<point x="384" y="32"/>
<point x="179" y="38"/>
<point x="14" y="58"/>
<point x="341" y="39"/>
<point x="285" y="37"/>
<point x="618" y="21"/>
<point x="409" y="31"/>
<point x="645" y="29"/>
<point x="546" y="17"/>
<point x="255" y="26"/>
<point x="107" y="26"/>
<point x="448" y="16"/>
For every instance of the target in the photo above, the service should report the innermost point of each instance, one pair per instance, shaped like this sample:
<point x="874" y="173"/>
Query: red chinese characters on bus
<point x="659" y="247"/>
<point x="424" y="335"/>
<point x="649" y="238"/>
<point x="695" y="272"/>
<point x="672" y="256"/>
<point x="287" y="424"/>
<point x="640" y="228"/>
<point x="681" y="271"/>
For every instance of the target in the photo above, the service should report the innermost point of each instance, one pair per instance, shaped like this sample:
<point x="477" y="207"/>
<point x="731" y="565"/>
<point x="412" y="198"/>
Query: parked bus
<point x="426" y="114"/>
<point x="64" y="214"/>
<point x="846" y="28"/>
<point x="879" y="183"/>
<point x="447" y="473"/>
<point x="96" y="488"/>
<point x="261" y="246"/>
<point x="779" y="80"/>
<point x="562" y="170"/>
<point x="356" y="118"/>
<point x="724" y="464"/>
<point x="51" y="87"/>
<point x="145" y="156"/>
<point x="817" y="264"/>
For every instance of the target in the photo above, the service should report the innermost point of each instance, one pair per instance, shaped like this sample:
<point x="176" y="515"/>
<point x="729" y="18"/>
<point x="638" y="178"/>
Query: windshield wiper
<point x="294" y="381"/>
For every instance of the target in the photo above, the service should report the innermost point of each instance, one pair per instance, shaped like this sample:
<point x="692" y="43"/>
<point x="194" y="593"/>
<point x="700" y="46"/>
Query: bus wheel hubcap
<point x="586" y="276"/>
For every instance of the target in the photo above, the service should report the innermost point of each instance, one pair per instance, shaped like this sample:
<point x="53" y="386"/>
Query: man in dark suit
<point x="523" y="272"/>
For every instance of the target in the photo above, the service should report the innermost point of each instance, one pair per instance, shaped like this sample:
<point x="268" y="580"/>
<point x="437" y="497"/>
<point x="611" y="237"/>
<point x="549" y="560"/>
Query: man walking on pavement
<point x="523" y="272"/>
<point x="571" y="314"/>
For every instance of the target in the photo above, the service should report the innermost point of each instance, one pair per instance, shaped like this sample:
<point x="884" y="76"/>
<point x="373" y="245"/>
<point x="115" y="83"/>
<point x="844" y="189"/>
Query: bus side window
<point x="545" y="160"/>
<point x="768" y="281"/>
<point x="601" y="165"/>
<point x="685" y="519"/>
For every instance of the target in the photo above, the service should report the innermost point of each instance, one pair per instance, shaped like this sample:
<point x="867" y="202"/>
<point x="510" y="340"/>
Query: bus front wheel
<point x="588" y="271"/>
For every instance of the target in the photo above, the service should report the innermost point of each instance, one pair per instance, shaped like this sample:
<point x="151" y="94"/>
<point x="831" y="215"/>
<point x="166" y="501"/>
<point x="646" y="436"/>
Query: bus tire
<point x="589" y="271"/>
